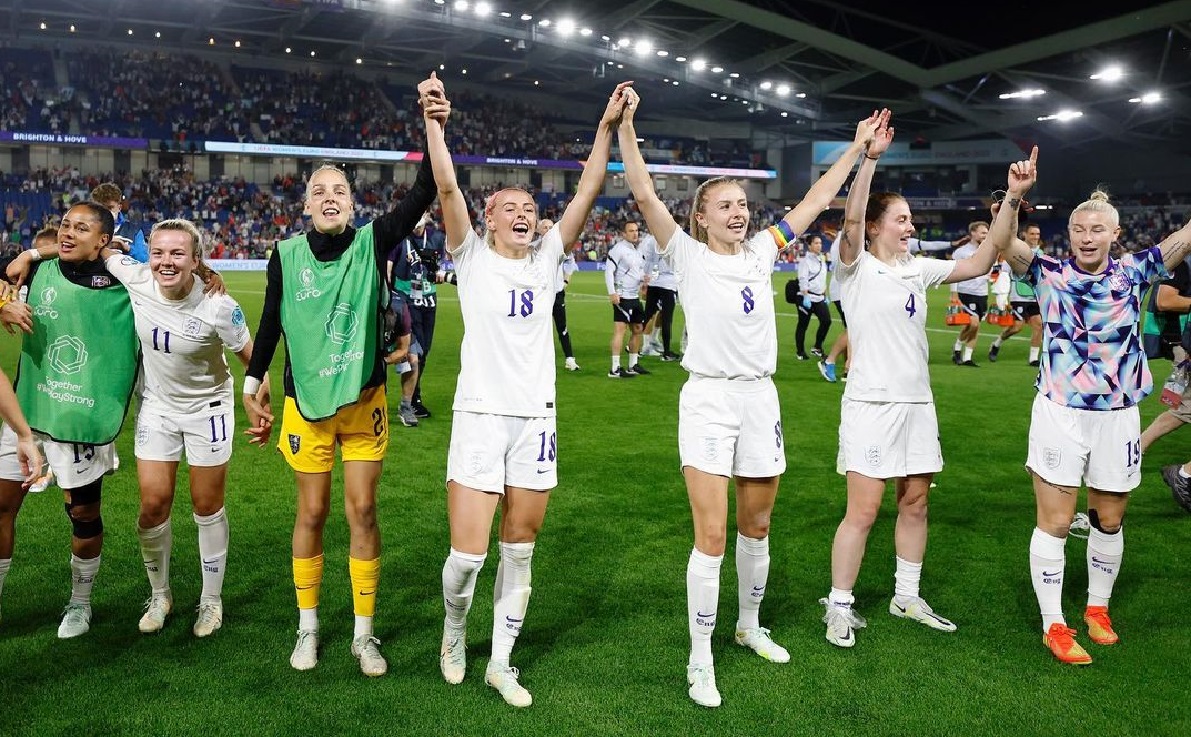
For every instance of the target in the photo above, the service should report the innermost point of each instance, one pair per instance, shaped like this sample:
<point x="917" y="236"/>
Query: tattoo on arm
<point x="1022" y="259"/>
<point x="1014" y="202"/>
<point x="846" y="240"/>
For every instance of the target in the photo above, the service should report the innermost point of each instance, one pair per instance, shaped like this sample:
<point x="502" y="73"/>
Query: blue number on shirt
<point x="1132" y="453"/>
<point x="747" y="295"/>
<point x="548" y="451"/>
<point x="82" y="452"/>
<point x="165" y="340"/>
<point x="910" y="306"/>
<point x="221" y="437"/>
<point x="526" y="303"/>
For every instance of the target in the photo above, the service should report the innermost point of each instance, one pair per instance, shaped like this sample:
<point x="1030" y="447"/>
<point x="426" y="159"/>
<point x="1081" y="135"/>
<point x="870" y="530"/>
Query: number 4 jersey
<point x="182" y="343"/>
<point x="886" y="309"/>
<point x="507" y="357"/>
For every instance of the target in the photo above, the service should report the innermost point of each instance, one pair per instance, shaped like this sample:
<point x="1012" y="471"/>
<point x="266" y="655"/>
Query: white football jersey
<point x="625" y="269"/>
<point x="812" y="276"/>
<point x="886" y="309"/>
<point x="565" y="268"/>
<point x="506" y="361"/>
<point x="182" y="342"/>
<point x="728" y="303"/>
<point x="833" y="290"/>
<point x="977" y="285"/>
<point x="661" y="273"/>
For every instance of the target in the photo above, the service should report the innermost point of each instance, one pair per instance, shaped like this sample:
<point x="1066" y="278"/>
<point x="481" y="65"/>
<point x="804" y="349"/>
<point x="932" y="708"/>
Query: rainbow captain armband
<point x="783" y="234"/>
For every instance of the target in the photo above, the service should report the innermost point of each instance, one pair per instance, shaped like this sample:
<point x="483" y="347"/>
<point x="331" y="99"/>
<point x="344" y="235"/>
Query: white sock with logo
<point x="1104" y="562"/>
<point x="212" y="544"/>
<point x="906" y="578"/>
<point x="458" y="586"/>
<point x="511" y="598"/>
<point x="156" y="544"/>
<point x="752" y="572"/>
<point x="1047" y="561"/>
<point x="702" y="600"/>
<point x="82" y="578"/>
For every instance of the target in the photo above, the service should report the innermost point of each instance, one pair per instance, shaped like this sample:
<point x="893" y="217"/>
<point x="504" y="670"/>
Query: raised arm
<point x="1176" y="247"/>
<point x="851" y="241"/>
<point x="822" y="192"/>
<point x="657" y="215"/>
<point x="455" y="214"/>
<point x="1003" y="234"/>
<point x="574" y="217"/>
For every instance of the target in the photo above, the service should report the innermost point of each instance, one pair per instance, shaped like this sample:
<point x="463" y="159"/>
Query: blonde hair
<point x="330" y="167"/>
<point x="196" y="236"/>
<point x="490" y="206"/>
<point x="975" y="224"/>
<point x="1097" y="202"/>
<point x="698" y="232"/>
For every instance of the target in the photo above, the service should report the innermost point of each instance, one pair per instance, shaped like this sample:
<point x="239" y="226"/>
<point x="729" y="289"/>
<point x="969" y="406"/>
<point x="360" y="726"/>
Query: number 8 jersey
<point x="506" y="362"/>
<point x="886" y="309"/>
<point x="728" y="303"/>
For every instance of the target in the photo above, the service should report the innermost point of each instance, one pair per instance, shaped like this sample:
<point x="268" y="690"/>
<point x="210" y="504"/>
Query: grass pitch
<point x="604" y="645"/>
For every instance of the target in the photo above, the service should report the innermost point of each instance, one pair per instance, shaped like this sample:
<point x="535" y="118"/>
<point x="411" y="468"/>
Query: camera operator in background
<point x="415" y="272"/>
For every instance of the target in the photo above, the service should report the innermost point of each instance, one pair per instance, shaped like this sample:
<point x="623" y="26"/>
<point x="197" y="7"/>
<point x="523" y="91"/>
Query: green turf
<point x="604" y="645"/>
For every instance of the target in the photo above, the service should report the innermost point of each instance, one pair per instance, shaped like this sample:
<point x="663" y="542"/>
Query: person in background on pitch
<point x="415" y="273"/>
<point x="888" y="426"/>
<point x="1169" y="321"/>
<point x="565" y="270"/>
<point x="333" y="276"/>
<point x="1085" y="428"/>
<point x="973" y="295"/>
<point x="812" y="288"/>
<point x="625" y="276"/>
<point x="504" y="442"/>
<point x="1023" y="300"/>
<point x="729" y="414"/>
<point x="661" y="299"/>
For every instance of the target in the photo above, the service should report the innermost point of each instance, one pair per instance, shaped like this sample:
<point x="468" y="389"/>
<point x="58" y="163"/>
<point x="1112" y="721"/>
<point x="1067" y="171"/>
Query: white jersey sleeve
<point x="887" y="311"/>
<point x="229" y="323"/>
<point x="506" y="360"/>
<point x="128" y="270"/>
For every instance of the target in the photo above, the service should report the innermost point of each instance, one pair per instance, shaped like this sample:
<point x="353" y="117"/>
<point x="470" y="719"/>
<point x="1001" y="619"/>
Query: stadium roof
<point x="941" y="73"/>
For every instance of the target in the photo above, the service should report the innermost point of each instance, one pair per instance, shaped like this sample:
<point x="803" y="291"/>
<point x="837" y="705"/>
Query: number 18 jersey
<point x="886" y="309"/>
<point x="506" y="361"/>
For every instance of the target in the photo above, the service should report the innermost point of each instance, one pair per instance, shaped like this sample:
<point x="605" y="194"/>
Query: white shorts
<point x="73" y="464"/>
<point x="888" y="440"/>
<point x="207" y="439"/>
<point x="490" y="452"/>
<point x="731" y="428"/>
<point x="1071" y="446"/>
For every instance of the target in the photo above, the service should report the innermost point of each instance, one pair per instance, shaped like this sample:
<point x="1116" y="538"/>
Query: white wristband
<point x="252" y="385"/>
<point x="34" y="254"/>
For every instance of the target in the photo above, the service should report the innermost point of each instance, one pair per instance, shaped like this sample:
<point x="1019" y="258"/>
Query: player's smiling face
<point x="81" y="235"/>
<point x="172" y="259"/>
<point x="329" y="201"/>
<point x="513" y="218"/>
<point x="1092" y="234"/>
<point x="893" y="231"/>
<point x="725" y="215"/>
